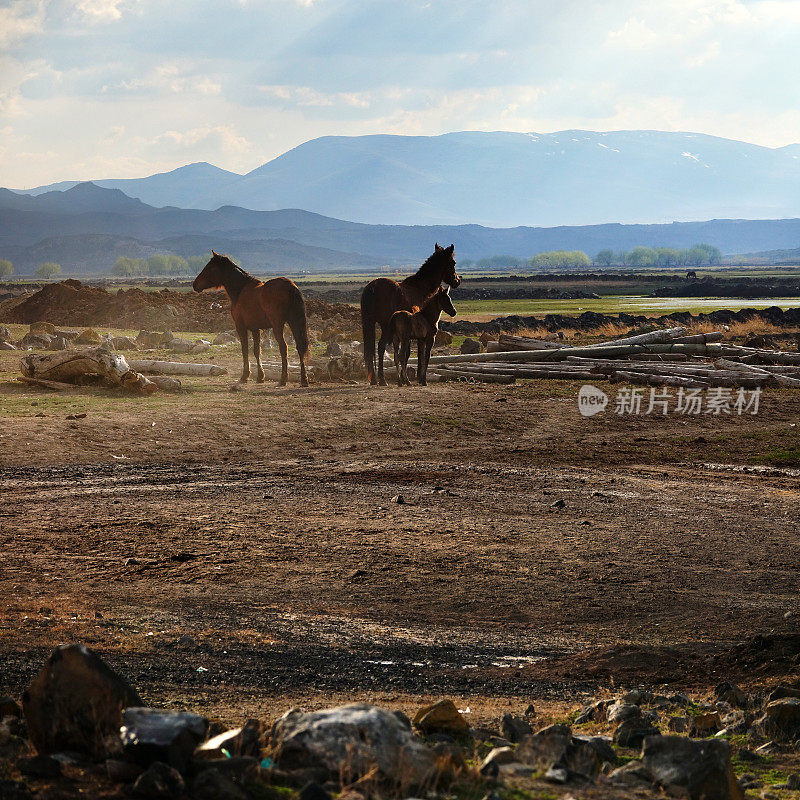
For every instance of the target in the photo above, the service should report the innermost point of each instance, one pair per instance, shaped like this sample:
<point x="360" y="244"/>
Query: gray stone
<point x="358" y="738"/>
<point x="515" y="728"/>
<point x="38" y="341"/>
<point x="620" y="711"/>
<point x="181" y="345"/>
<point x="470" y="346"/>
<point x="159" y="782"/>
<point x="633" y="731"/>
<point x="700" y="770"/>
<point x="151" y="735"/>
<point x="76" y="702"/>
<point x="601" y="745"/>
<point x="124" y="343"/>
<point x="594" y="712"/>
<point x="556" y="748"/>
<point x="334" y="349"/>
<point x="780" y="720"/>
<point x="225" y="338"/>
<point x="730" y="693"/>
<point x="121" y="771"/>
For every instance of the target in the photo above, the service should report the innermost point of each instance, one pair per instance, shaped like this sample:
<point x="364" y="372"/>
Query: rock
<point x="200" y="347"/>
<point x="238" y="768"/>
<point x="782" y="692"/>
<point x="59" y="343"/>
<point x="159" y="782"/>
<point x="679" y="724"/>
<point x="621" y="711"/>
<point x="39" y="767"/>
<point x="636" y="697"/>
<point x="121" y="771"/>
<point x="737" y="722"/>
<point x="213" y="785"/>
<point x="485" y="338"/>
<point x="595" y="712"/>
<point x="443" y="338"/>
<point x="441" y="717"/>
<point x="42" y="327"/>
<point x="470" y="346"/>
<point x="700" y="770"/>
<point x="242" y="741"/>
<point x="334" y="349"/>
<point x="9" y="707"/>
<point x="633" y="731"/>
<point x="780" y="720"/>
<point x="728" y="692"/>
<point x="556" y="748"/>
<point x="705" y="724"/>
<point x="495" y="758"/>
<point x="181" y="345"/>
<point x="601" y="745"/>
<point x="88" y="336"/>
<point x="403" y="718"/>
<point x="357" y="738"/>
<point x="38" y="341"/>
<point x="76" y="702"/>
<point x="124" y="343"/>
<point x="515" y="728"/>
<point x="151" y="735"/>
<point x="225" y="338"/>
<point x="68" y="335"/>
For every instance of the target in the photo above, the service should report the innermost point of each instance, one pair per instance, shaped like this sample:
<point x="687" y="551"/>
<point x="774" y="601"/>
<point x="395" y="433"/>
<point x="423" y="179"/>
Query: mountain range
<point x="499" y="179"/>
<point x="86" y="227"/>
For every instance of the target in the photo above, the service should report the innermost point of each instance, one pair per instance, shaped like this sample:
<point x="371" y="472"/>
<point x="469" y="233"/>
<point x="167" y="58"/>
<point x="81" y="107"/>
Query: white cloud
<point x="19" y="20"/>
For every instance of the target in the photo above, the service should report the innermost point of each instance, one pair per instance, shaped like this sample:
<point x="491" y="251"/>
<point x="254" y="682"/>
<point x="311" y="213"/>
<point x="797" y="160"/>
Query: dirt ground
<point x="238" y="553"/>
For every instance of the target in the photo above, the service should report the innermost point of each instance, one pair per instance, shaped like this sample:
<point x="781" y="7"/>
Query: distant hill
<point x="500" y="179"/>
<point x="87" y="227"/>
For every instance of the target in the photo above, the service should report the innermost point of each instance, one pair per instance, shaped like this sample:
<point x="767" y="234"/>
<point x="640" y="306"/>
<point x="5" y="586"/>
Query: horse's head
<point x="213" y="274"/>
<point x="445" y="302"/>
<point x="448" y="261"/>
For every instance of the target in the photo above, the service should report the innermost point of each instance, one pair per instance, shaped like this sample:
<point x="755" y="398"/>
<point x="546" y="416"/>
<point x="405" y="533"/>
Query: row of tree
<point x="699" y="255"/>
<point x="47" y="270"/>
<point x="159" y="264"/>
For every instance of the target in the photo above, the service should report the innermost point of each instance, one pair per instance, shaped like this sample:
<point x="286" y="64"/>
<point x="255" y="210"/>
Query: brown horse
<point x="257" y="305"/>
<point x="383" y="296"/>
<point x="422" y="326"/>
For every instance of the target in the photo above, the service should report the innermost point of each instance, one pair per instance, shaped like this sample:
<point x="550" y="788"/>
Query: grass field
<point x="614" y="304"/>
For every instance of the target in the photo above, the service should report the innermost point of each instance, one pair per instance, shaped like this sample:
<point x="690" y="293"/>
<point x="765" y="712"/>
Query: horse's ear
<point x="452" y="248"/>
<point x="437" y="247"/>
<point x="214" y="253"/>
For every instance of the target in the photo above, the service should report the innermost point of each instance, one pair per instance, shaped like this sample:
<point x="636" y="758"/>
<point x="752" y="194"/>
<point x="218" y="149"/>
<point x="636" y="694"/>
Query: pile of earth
<point x="73" y="303"/>
<point x="591" y="320"/>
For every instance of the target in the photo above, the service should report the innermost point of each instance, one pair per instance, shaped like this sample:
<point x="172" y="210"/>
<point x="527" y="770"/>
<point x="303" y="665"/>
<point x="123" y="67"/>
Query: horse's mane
<point x="239" y="277"/>
<point x="430" y="265"/>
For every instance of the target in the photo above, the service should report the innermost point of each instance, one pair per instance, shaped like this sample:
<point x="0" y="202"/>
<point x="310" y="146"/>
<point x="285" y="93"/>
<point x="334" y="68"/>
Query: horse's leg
<point x="382" y="342"/>
<point x="422" y="364"/>
<point x="406" y="356"/>
<point x="245" y="354"/>
<point x="257" y="354"/>
<point x="398" y="359"/>
<point x="279" y="338"/>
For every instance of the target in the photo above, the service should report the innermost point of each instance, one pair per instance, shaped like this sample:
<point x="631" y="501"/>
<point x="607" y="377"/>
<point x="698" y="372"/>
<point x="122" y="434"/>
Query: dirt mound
<point x="72" y="303"/>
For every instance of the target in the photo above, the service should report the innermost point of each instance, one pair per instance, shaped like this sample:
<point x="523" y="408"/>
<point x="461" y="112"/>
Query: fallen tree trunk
<point x="509" y="343"/>
<point x="68" y="366"/>
<point x="654" y="337"/>
<point x="752" y="370"/>
<point x="152" y="367"/>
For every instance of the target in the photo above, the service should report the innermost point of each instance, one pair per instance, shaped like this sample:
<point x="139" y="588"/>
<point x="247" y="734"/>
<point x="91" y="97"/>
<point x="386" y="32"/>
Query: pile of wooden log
<point x="668" y="357"/>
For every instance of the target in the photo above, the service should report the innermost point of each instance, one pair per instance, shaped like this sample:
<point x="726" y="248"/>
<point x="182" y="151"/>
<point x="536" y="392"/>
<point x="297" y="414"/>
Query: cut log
<point x="67" y="366"/>
<point x="166" y="383"/>
<point x="152" y="367"/>
<point x="657" y="380"/>
<point x="653" y="337"/>
<point x="57" y="386"/>
<point x="511" y="343"/>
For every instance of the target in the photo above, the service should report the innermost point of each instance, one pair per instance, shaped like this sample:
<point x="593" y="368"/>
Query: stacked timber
<point x="668" y="357"/>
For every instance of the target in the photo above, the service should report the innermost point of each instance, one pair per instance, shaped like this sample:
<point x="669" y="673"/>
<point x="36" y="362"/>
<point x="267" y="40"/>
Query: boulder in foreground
<point x="351" y="741"/>
<point x="75" y="703"/>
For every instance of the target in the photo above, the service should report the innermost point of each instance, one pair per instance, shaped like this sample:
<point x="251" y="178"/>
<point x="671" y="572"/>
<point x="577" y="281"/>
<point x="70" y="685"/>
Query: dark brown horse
<point x="422" y="326"/>
<point x="383" y="296"/>
<point x="257" y="305"/>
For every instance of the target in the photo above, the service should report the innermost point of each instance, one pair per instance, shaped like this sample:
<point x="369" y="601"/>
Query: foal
<point x="422" y="326"/>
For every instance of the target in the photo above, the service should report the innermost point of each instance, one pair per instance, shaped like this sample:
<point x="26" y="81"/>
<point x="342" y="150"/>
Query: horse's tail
<point x="368" y="330"/>
<point x="298" y="322"/>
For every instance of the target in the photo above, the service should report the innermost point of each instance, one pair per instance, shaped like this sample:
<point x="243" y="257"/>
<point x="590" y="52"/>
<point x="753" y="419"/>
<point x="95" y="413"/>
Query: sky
<point x="126" y="88"/>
